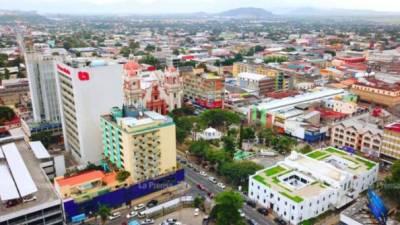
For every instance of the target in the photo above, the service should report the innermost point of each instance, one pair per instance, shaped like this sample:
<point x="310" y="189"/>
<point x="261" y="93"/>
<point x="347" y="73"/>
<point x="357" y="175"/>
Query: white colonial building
<point x="209" y="134"/>
<point x="304" y="186"/>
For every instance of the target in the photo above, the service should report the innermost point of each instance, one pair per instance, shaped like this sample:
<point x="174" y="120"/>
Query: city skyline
<point x="179" y="6"/>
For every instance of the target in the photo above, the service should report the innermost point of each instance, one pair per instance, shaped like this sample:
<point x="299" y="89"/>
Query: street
<point x="195" y="178"/>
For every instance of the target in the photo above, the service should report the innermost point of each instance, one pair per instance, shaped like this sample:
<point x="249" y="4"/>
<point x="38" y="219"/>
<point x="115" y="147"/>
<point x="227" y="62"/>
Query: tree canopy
<point x="6" y="114"/>
<point x="219" y="117"/>
<point x="392" y="182"/>
<point x="226" y="210"/>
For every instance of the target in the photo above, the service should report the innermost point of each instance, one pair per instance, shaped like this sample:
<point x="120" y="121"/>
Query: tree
<point x="219" y="117"/>
<point x="45" y="137"/>
<point x="133" y="45"/>
<point x="306" y="149"/>
<point x="283" y="144"/>
<point x="229" y="145"/>
<point x="226" y="210"/>
<point x="187" y="63"/>
<point x="391" y="183"/>
<point x="175" y="51"/>
<point x="248" y="133"/>
<point x="198" y="202"/>
<point x="266" y="136"/>
<point x="238" y="172"/>
<point x="104" y="212"/>
<point x="125" y="51"/>
<point x="150" y="59"/>
<point x="258" y="48"/>
<point x="275" y="59"/>
<point x="6" y="114"/>
<point x="184" y="126"/>
<point x="150" y="48"/>
<point x="238" y="57"/>
<point x="6" y="74"/>
<point x="122" y="175"/>
<point x="199" y="148"/>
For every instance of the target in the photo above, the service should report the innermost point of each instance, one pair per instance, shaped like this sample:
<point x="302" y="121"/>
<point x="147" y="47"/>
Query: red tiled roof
<point x="375" y="83"/>
<point x="330" y="114"/>
<point x="393" y="127"/>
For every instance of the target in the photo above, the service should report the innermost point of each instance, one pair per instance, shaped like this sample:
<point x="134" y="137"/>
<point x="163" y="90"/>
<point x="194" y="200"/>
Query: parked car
<point x="171" y="220"/>
<point x="251" y="203"/>
<point x="195" y="169"/>
<point x="263" y="211"/>
<point x="139" y="207"/>
<point x="251" y="222"/>
<point x="212" y="179"/>
<point x="29" y="199"/>
<point x="152" y="203"/>
<point x="221" y="185"/>
<point x="114" y="215"/>
<point x="131" y="214"/>
<point x="280" y="221"/>
<point x="147" y="222"/>
<point x="241" y="213"/>
<point x="141" y="215"/>
<point x="201" y="187"/>
<point x="204" y="174"/>
<point x="196" y="211"/>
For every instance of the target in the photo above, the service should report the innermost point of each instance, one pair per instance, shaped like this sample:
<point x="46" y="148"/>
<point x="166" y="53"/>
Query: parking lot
<point x="185" y="215"/>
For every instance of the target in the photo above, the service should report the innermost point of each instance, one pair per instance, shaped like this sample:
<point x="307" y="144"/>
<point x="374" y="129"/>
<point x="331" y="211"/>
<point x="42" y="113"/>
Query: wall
<point x="123" y="195"/>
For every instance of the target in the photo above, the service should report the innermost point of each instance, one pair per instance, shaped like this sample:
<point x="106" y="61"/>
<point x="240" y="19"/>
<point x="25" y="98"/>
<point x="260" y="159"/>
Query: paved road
<point x="195" y="178"/>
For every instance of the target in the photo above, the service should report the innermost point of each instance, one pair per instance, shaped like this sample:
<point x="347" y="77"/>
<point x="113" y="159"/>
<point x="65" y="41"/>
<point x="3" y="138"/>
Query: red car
<point x="201" y="187"/>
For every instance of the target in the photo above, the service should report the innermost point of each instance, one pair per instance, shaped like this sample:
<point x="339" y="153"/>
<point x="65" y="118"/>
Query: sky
<point x="186" y="6"/>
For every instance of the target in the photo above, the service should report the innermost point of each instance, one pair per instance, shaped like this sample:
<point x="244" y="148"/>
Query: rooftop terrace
<point x="296" y="176"/>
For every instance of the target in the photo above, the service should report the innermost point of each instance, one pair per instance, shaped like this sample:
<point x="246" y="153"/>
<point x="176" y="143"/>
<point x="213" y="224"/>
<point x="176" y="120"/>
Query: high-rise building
<point x="41" y="73"/>
<point x="88" y="89"/>
<point x="139" y="141"/>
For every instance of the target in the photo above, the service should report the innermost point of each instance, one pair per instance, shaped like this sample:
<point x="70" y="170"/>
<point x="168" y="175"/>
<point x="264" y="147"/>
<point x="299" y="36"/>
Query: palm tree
<point x="104" y="212"/>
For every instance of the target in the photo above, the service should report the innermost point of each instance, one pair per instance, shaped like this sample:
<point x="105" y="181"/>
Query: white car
<point x="29" y="199"/>
<point x="241" y="213"/>
<point x="147" y="222"/>
<point x="221" y="185"/>
<point x="139" y="207"/>
<point x="141" y="215"/>
<point x="131" y="214"/>
<point x="196" y="211"/>
<point x="212" y="179"/>
<point x="204" y="174"/>
<point x="114" y="215"/>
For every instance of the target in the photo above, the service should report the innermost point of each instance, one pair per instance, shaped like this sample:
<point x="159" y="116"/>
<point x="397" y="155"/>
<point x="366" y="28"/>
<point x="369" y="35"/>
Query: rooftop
<point x="86" y="177"/>
<point x="378" y="84"/>
<point x="299" y="99"/>
<point x="253" y="76"/>
<point x="300" y="176"/>
<point x="44" y="193"/>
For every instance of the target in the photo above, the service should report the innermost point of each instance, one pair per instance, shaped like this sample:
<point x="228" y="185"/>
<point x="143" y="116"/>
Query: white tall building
<point x="304" y="186"/>
<point x="87" y="90"/>
<point x="41" y="72"/>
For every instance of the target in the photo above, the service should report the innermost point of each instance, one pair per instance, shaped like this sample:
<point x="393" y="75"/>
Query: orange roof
<point x="110" y="178"/>
<point x="81" y="178"/>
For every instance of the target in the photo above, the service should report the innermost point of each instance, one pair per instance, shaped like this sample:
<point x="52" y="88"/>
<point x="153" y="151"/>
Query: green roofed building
<point x="302" y="186"/>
